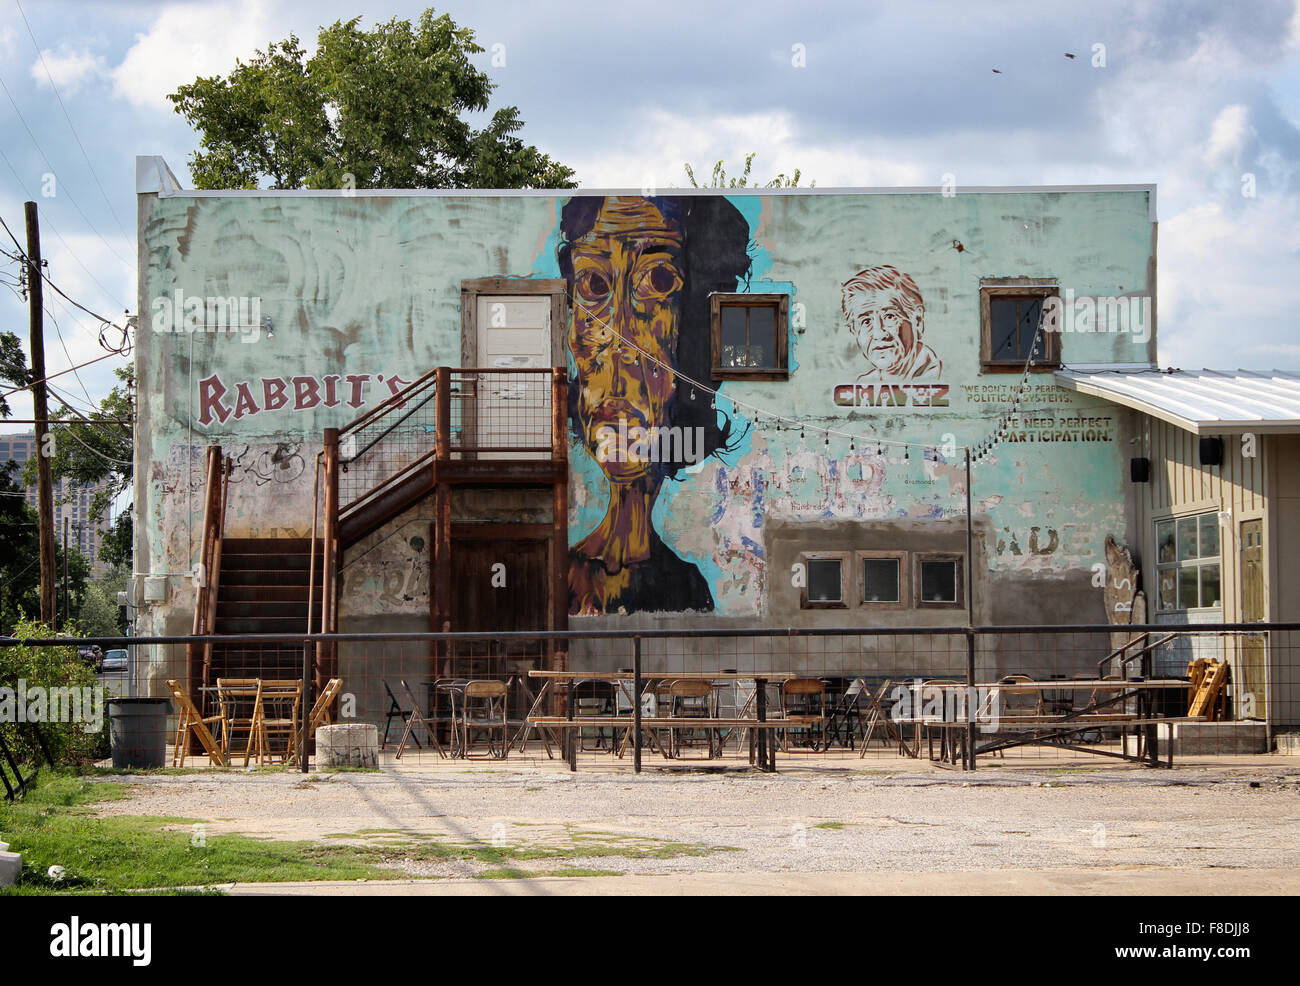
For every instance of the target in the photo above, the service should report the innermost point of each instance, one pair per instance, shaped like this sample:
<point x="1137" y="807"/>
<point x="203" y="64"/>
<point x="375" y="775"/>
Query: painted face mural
<point x="886" y="315"/>
<point x="639" y="272"/>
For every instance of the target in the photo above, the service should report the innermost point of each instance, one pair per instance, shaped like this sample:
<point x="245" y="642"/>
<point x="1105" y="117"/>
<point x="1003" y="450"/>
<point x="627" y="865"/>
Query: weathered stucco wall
<point x="362" y="293"/>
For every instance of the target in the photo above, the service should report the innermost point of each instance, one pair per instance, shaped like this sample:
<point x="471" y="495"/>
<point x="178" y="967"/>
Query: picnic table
<point x="762" y="744"/>
<point x="1043" y="726"/>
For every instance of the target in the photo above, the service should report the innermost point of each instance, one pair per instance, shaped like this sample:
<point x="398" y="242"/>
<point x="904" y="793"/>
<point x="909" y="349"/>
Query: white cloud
<point x="188" y="40"/>
<point x="68" y="68"/>
<point x="1228" y="136"/>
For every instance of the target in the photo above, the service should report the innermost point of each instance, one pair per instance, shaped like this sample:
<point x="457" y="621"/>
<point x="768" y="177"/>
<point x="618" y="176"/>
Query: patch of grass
<point x="831" y="825"/>
<point x="144" y="771"/>
<point x="54" y="826"/>
<point x="504" y="873"/>
<point x="581" y="871"/>
<point x="350" y="770"/>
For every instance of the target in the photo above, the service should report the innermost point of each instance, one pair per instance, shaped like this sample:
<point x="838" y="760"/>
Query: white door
<point x="514" y="332"/>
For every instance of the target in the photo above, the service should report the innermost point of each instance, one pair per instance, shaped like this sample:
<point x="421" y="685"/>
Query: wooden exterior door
<point x="1251" y="686"/>
<point x="500" y="584"/>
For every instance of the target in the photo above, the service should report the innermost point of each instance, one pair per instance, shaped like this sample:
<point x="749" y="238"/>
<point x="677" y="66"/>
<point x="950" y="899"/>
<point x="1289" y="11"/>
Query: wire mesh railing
<point x="713" y="698"/>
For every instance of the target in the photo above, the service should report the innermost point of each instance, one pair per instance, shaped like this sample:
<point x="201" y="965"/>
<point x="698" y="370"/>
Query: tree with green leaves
<point x="719" y="177"/>
<point x="13" y="366"/>
<point x="382" y="108"/>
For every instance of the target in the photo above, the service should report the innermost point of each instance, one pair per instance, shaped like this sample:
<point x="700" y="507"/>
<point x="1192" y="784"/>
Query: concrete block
<point x="1287" y="744"/>
<point x="1209" y="738"/>
<point x="353" y="744"/>
<point x="11" y="864"/>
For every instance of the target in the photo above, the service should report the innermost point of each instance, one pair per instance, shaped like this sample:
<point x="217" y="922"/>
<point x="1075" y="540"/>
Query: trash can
<point x="138" y="729"/>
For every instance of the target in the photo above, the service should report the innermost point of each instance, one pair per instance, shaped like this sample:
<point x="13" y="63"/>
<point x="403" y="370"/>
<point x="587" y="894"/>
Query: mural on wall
<point x="885" y="312"/>
<point x="639" y="273"/>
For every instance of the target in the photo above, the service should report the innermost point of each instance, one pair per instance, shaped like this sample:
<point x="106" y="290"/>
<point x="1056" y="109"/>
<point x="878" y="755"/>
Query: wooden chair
<point x="417" y="718"/>
<point x="190" y="718"/>
<point x="277" y="719"/>
<point x="241" y="703"/>
<point x="483" y="707"/>
<point x="321" y="711"/>
<point x="692" y="699"/>
<point x="876" y="716"/>
<point x="803" y="708"/>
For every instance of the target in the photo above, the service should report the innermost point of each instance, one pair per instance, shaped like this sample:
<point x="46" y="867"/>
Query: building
<point x="71" y="503"/>
<point x="1214" y="512"/>
<point x="761" y="417"/>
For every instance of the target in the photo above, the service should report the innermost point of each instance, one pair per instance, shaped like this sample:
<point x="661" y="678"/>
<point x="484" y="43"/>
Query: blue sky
<point x="1193" y="96"/>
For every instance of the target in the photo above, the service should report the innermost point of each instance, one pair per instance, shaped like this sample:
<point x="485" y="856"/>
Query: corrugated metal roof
<point x="1205" y="402"/>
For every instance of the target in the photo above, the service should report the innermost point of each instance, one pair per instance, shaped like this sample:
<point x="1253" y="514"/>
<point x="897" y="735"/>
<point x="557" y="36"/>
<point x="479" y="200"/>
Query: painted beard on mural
<point x="639" y="272"/>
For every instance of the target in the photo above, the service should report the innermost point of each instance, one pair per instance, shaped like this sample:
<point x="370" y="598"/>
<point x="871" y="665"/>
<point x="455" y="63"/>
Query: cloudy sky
<point x="1202" y="98"/>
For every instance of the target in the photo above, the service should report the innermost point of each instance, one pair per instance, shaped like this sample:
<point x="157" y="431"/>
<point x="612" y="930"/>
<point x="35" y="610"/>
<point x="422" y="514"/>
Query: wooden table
<point x="764" y="750"/>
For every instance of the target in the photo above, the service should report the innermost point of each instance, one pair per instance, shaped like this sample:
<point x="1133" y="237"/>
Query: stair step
<point x="268" y="577"/>
<point x="262" y="546"/>
<point x="235" y="625"/>
<point x="239" y="562"/>
<point x="265" y="593"/>
<point x="262" y="609"/>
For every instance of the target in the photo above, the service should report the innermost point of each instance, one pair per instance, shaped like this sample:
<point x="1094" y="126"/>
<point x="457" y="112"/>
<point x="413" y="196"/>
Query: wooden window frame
<point x="918" y="560"/>
<point x="846" y="579"/>
<point x="781" y="371"/>
<point x="1016" y="287"/>
<point x="904" y="579"/>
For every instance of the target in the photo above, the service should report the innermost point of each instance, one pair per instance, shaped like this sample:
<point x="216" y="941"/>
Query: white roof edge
<point x="1084" y="380"/>
<point x="175" y="189"/>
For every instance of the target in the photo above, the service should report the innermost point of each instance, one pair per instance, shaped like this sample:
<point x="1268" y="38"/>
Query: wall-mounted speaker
<point x="1211" y="451"/>
<point x="1139" y="470"/>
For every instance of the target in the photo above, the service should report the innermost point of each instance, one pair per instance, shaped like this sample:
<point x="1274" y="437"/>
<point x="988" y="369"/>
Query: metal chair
<point x="803" y="708"/>
<point x="591" y="697"/>
<point x="395" y="711"/>
<point x="483" y="707"/>
<point x="417" y="718"/>
<point x="692" y="699"/>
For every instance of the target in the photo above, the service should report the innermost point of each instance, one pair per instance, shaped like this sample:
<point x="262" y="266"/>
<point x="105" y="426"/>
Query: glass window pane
<point x="762" y="337"/>
<point x="1186" y="538"/>
<point x="1002" y="330"/>
<point x="939" y="581"/>
<point x="1209" y="585"/>
<point x="824" y="580"/>
<point x="1188" y="597"/>
<point x="1168" y="592"/>
<point x="734" y="349"/>
<point x="1209" y="536"/>
<point x="880" y="580"/>
<point x="1165" y="542"/>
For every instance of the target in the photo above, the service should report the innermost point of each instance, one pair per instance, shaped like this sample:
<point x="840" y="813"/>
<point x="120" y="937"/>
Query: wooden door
<point x="501" y="583"/>
<point x="1250" y="688"/>
<point x="514" y="332"/>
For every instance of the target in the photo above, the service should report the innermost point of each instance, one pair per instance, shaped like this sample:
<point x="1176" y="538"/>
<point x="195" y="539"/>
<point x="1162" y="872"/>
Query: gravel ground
<point x="807" y="821"/>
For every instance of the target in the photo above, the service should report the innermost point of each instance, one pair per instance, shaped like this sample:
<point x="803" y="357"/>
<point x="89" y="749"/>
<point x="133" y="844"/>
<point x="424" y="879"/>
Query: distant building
<point x="70" y="501"/>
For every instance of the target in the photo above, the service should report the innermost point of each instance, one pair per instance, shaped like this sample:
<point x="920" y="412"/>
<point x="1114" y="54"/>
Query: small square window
<point x="749" y="336"/>
<point x="882" y="579"/>
<point x="939" y="580"/>
<point x="824" y="581"/>
<point x="1012" y="321"/>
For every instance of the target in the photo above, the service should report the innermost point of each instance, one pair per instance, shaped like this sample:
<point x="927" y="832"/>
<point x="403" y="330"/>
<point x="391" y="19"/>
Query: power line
<point x="49" y="165"/>
<point x="41" y="55"/>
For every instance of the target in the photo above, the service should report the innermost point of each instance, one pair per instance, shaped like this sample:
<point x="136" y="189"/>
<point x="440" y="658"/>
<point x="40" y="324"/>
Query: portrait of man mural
<point x="886" y="314"/>
<point x="639" y="272"/>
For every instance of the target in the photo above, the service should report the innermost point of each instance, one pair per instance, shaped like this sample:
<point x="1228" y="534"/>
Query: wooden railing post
<point x="442" y="436"/>
<point x="559" y="415"/>
<point x="327" y="656"/>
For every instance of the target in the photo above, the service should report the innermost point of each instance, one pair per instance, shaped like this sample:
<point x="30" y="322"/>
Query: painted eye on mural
<point x="593" y="286"/>
<point x="657" y="279"/>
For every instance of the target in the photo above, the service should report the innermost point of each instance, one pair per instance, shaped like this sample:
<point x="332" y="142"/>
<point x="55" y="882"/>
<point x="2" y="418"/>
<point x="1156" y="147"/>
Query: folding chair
<point x="692" y="699"/>
<point x="417" y="717"/>
<point x="241" y="703"/>
<point x="803" y="708"/>
<point x="190" y="718"/>
<point x="320" y="711"/>
<point x="395" y="711"/>
<point x="593" y="698"/>
<point x="277" y="717"/>
<point x="483" y="707"/>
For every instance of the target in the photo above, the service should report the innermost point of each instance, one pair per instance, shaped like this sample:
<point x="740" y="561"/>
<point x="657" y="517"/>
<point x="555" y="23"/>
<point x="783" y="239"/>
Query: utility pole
<point x="41" y="412"/>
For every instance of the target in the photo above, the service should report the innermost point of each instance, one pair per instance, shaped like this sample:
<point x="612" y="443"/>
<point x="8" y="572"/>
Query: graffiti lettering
<point x="891" y="395"/>
<point x="300" y="393"/>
